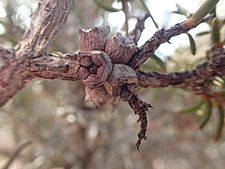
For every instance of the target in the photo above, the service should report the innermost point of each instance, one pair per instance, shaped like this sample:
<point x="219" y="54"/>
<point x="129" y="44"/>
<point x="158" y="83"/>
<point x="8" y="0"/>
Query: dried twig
<point x="135" y="34"/>
<point x="141" y="109"/>
<point x="197" y="80"/>
<point x="125" y="9"/>
<point x="160" y="37"/>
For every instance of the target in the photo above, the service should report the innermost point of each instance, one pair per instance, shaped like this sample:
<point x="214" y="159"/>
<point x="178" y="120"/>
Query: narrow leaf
<point x="192" y="44"/>
<point x="203" y="33"/>
<point x="105" y="7"/>
<point x="207" y="115"/>
<point x="159" y="61"/>
<point x="215" y="31"/>
<point x="220" y="122"/>
<point x="150" y="66"/>
<point x="191" y="109"/>
<point x="181" y="10"/>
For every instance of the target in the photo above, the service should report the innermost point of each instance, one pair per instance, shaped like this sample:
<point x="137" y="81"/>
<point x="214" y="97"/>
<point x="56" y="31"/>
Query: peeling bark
<point x="46" y="22"/>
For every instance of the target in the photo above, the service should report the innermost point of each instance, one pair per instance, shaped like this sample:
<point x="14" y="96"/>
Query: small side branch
<point x="160" y="37"/>
<point x="197" y="80"/>
<point x="140" y="108"/>
<point x="135" y="34"/>
<point x="149" y="13"/>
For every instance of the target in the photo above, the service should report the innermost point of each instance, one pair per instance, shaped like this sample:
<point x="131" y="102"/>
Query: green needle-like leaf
<point x="192" y="43"/>
<point x="220" y="122"/>
<point x="203" y="33"/>
<point x="207" y="115"/>
<point x="215" y="31"/>
<point x="191" y="109"/>
<point x="181" y="10"/>
<point x="159" y="61"/>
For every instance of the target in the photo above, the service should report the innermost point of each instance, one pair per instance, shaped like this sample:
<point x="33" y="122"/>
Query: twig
<point x="135" y="34"/>
<point x="197" y="80"/>
<point x="149" y="13"/>
<point x="125" y="9"/>
<point x="160" y="37"/>
<point x="140" y="108"/>
<point x="18" y="150"/>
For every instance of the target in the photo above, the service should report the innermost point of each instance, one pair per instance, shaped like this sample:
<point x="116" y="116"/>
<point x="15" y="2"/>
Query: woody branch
<point x="108" y="67"/>
<point x="46" y="22"/>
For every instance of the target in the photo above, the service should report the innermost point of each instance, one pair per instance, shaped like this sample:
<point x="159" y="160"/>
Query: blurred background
<point x="68" y="133"/>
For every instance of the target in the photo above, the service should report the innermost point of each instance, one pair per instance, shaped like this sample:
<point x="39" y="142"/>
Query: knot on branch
<point x="103" y="68"/>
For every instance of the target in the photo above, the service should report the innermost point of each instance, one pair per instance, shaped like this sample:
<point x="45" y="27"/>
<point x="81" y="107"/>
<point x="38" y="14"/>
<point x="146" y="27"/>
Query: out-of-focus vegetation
<point x="68" y="133"/>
